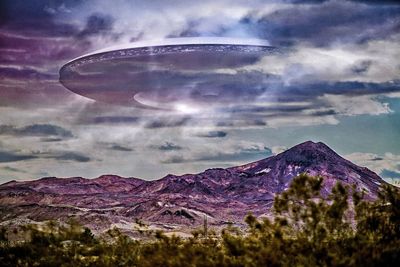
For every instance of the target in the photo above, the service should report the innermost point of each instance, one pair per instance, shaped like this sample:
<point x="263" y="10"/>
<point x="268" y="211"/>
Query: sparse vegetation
<point x="341" y="230"/>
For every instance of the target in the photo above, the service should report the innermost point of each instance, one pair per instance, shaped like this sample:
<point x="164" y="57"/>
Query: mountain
<point x="176" y="202"/>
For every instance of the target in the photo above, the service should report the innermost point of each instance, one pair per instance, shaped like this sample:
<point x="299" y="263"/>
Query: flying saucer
<point x="166" y="73"/>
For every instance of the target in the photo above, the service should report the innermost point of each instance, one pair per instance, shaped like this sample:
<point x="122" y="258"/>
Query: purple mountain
<point x="173" y="202"/>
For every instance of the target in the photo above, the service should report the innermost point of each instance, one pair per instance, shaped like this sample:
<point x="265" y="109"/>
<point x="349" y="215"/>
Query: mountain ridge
<point x="179" y="201"/>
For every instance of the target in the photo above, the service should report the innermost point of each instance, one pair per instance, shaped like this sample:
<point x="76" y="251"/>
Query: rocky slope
<point x="175" y="202"/>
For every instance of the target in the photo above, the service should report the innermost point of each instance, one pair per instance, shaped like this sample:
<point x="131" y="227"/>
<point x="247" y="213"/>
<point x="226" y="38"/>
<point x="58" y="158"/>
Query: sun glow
<point x="186" y="109"/>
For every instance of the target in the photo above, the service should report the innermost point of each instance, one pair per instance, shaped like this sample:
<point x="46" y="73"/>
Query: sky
<point x="337" y="81"/>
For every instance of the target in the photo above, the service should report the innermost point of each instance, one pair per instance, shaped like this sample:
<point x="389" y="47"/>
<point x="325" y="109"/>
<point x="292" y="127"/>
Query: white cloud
<point x="336" y="63"/>
<point x="159" y="19"/>
<point x="278" y="149"/>
<point x="355" y="105"/>
<point x="375" y="162"/>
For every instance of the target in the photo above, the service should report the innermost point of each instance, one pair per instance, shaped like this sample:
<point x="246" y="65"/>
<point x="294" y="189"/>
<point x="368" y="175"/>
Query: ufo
<point x="166" y="74"/>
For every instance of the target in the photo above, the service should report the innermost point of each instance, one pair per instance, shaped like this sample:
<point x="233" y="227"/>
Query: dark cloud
<point x="174" y="159"/>
<point x="121" y="148"/>
<point x="303" y="90"/>
<point x="213" y="134"/>
<point x="41" y="18"/>
<point x="97" y="24"/>
<point x="37" y="9"/>
<point x="190" y="30"/>
<point x="44" y="129"/>
<point x="325" y="23"/>
<point x="48" y="140"/>
<point x="241" y="122"/>
<point x="6" y="156"/>
<point x="306" y="1"/>
<point x="37" y="17"/>
<point x="70" y="156"/>
<point x="168" y="146"/>
<point x="11" y="157"/>
<point x="242" y="155"/>
<point x="116" y="146"/>
<point x="361" y="67"/>
<point x="321" y="113"/>
<point x="264" y="109"/>
<point x="113" y="120"/>
<point x="390" y="174"/>
<point x="168" y="122"/>
<point x="137" y="37"/>
<point x="36" y="130"/>
<point x="378" y="2"/>
<point x="24" y="73"/>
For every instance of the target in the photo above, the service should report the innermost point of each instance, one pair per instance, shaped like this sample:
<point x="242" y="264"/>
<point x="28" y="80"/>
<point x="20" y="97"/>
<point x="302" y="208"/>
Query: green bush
<point x="342" y="229"/>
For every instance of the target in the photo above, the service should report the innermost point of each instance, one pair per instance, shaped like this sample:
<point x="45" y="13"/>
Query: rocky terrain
<point x="175" y="203"/>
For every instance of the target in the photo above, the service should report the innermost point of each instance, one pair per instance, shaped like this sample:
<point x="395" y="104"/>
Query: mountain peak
<point x="307" y="145"/>
<point x="315" y="151"/>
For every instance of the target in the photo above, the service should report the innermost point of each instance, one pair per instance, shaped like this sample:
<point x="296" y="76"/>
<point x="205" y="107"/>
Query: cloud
<point x="322" y="24"/>
<point x="70" y="156"/>
<point x="357" y="105"/>
<point x="6" y="156"/>
<point x="168" y="146"/>
<point x="278" y="108"/>
<point x="174" y="159"/>
<point x="378" y="2"/>
<point x="11" y="157"/>
<point x="361" y="67"/>
<point x="97" y="24"/>
<point x="306" y="1"/>
<point x="243" y="154"/>
<point x="387" y="165"/>
<point x="167" y="122"/>
<point x="213" y="134"/>
<point x="121" y="148"/>
<point x="233" y="157"/>
<point x="278" y="149"/>
<point x="51" y="139"/>
<point x="243" y="122"/>
<point x="227" y="152"/>
<point x="114" y="120"/>
<point x="56" y="155"/>
<point x="36" y="130"/>
<point x="339" y="63"/>
<point x="114" y="146"/>
<point x="48" y="51"/>
<point x="24" y="73"/>
<point x="37" y="18"/>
